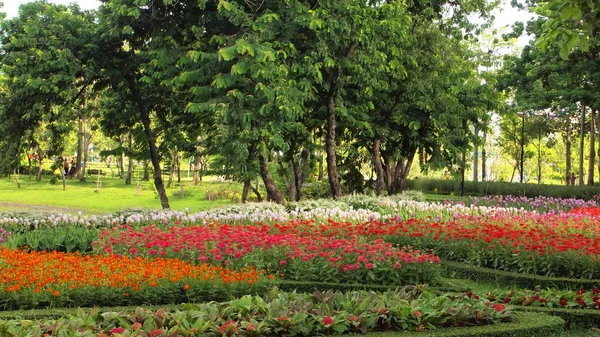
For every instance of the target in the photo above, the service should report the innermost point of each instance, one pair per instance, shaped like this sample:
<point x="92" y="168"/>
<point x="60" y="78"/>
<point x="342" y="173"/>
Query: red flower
<point x="563" y="302"/>
<point x="327" y="321"/>
<point x="498" y="307"/>
<point x="117" y="330"/>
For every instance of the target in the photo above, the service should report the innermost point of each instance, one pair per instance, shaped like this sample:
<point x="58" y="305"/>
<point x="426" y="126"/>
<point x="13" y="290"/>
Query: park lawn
<point x="113" y="196"/>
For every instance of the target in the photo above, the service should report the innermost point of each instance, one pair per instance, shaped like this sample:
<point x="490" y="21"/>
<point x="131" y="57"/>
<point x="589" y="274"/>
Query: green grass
<point x="113" y="196"/>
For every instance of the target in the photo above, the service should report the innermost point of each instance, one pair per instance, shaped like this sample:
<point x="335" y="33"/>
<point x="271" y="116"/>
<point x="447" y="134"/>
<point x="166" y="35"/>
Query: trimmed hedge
<point x="502" y="188"/>
<point x="587" y="318"/>
<point x="307" y="286"/>
<point x="527" y="324"/>
<point x="507" y="278"/>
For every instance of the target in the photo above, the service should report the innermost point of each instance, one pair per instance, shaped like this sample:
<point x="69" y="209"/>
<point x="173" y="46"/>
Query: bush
<point x="316" y="190"/>
<point x="519" y="280"/>
<point x="502" y="188"/>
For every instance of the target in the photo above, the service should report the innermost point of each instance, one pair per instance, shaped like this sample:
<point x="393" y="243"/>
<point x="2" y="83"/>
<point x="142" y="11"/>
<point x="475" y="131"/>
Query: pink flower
<point x="369" y="266"/>
<point x="282" y="262"/>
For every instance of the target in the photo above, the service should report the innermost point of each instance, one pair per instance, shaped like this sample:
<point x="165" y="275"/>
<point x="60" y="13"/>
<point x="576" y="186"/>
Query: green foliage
<point x="293" y="314"/>
<point x="65" y="239"/>
<point x="47" y="64"/>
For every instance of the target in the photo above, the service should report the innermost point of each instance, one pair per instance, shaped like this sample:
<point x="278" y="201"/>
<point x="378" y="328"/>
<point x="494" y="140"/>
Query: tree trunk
<point x="568" y="140"/>
<point x="273" y="193"/>
<point x="86" y="151"/>
<point x="246" y="190"/>
<point x="598" y="130"/>
<point x="130" y="157"/>
<point x="522" y="163"/>
<point x="483" y="156"/>
<point x="146" y="176"/>
<point x="581" y="142"/>
<point x="79" y="146"/>
<point x="539" y="158"/>
<point x="462" y="173"/>
<point x="40" y="154"/>
<point x="379" y="182"/>
<point x="512" y="176"/>
<point x="334" y="183"/>
<point x="300" y="172"/>
<point x="30" y="163"/>
<point x="154" y="157"/>
<point x="476" y="158"/>
<point x="406" y="171"/>
<point x="172" y="167"/>
<point x="321" y="169"/>
<point x="592" y="153"/>
<point x="121" y="158"/>
<point x="196" y="169"/>
<point x="178" y="163"/>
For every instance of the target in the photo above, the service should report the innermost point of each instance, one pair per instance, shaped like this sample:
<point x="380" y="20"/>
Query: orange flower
<point x="46" y="270"/>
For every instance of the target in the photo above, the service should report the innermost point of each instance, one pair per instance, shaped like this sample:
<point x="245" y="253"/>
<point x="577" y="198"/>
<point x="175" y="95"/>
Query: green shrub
<point x="316" y="190"/>
<point x="519" y="280"/>
<point x="502" y="188"/>
<point x="61" y="239"/>
<point x="574" y="318"/>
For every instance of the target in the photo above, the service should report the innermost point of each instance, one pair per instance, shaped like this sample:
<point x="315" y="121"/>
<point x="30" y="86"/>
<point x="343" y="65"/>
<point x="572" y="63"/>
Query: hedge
<point x="308" y="286"/>
<point x="587" y="318"/>
<point x="502" y="188"/>
<point x="519" y="280"/>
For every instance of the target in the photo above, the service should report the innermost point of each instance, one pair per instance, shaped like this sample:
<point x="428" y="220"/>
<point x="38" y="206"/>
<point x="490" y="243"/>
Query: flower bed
<point x="551" y="245"/>
<point x="582" y="299"/>
<point x="42" y="279"/>
<point x="289" y="314"/>
<point x="300" y="250"/>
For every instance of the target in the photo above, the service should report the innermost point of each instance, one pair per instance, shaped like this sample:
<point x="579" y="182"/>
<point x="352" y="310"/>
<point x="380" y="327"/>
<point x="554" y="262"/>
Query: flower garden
<point x="355" y="265"/>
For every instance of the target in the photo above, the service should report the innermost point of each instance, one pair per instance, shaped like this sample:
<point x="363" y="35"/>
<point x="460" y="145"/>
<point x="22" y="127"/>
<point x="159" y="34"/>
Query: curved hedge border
<point x="527" y="281"/>
<point x="307" y="286"/>
<point x="586" y="318"/>
<point x="527" y="324"/>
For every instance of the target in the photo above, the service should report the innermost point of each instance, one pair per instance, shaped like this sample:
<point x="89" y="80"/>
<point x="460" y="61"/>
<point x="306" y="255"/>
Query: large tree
<point x="47" y="59"/>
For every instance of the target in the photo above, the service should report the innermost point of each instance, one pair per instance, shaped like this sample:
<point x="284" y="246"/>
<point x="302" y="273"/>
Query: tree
<point x="47" y="57"/>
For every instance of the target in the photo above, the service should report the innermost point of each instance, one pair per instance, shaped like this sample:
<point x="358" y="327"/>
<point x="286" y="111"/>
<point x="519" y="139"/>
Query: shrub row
<point x="444" y="285"/>
<point x="515" y="279"/>
<point x="502" y="188"/>
<point x="573" y="317"/>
